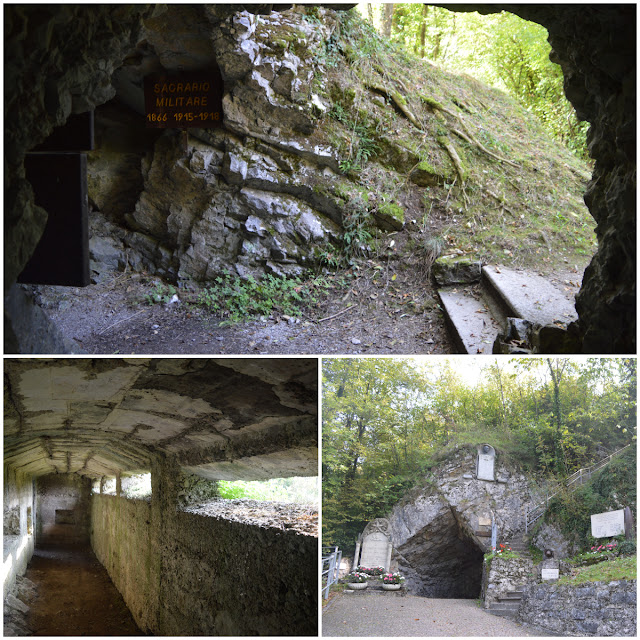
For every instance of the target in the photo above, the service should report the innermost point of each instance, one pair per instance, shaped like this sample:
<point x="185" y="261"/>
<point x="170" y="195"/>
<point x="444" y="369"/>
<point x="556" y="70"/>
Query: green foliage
<point x="617" y="569"/>
<point x="161" y="293"/>
<point x="627" y="548"/>
<point x="362" y="146"/>
<point x="239" y="299"/>
<point x="615" y="485"/>
<point x="502" y="50"/>
<point x="387" y="422"/>
<point x="299" y="490"/>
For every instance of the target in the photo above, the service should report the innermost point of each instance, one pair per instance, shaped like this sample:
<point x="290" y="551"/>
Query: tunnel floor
<point x="75" y="595"/>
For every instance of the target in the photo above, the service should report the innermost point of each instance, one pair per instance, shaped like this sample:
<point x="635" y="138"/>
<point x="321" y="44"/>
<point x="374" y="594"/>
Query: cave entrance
<point x="442" y="560"/>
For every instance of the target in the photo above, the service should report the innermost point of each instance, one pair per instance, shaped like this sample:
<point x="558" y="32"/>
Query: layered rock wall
<point x="442" y="529"/>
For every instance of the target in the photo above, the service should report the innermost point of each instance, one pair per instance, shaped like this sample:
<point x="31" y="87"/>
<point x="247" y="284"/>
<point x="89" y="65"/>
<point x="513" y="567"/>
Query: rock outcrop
<point x="264" y="193"/>
<point x="441" y="530"/>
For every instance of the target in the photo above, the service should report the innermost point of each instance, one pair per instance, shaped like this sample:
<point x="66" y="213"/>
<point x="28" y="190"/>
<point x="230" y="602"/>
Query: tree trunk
<point x="387" y="18"/>
<point x="423" y="30"/>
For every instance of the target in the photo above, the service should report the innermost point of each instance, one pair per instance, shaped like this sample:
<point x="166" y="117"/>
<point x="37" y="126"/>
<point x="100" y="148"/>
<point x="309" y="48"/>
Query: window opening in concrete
<point x="283" y="503"/>
<point x="137" y="486"/>
<point x="29" y="522"/>
<point x="95" y="486"/>
<point x="11" y="521"/>
<point x="109" y="486"/>
<point x="300" y="490"/>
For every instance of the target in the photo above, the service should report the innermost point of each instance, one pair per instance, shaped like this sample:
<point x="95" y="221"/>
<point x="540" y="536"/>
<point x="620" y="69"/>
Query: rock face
<point x="267" y="186"/>
<point x="600" y="82"/>
<point x="441" y="531"/>
<point x="244" y="198"/>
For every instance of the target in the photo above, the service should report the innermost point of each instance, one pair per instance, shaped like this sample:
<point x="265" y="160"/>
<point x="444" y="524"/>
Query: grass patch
<point x="618" y="569"/>
<point x="238" y="299"/>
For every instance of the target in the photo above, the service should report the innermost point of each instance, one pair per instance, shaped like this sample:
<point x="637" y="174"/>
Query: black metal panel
<point x="75" y="135"/>
<point x="59" y="182"/>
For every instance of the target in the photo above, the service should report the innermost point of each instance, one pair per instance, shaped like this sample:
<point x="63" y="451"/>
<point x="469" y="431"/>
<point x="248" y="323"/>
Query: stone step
<point x="476" y="313"/>
<point x="515" y="594"/>
<point x="511" y="597"/>
<point x="505" y="613"/>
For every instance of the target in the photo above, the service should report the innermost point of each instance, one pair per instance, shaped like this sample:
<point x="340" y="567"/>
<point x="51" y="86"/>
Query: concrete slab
<point x="473" y="326"/>
<point x="531" y="297"/>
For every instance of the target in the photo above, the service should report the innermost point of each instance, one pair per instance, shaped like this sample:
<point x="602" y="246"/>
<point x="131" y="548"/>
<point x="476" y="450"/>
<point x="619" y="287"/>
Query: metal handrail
<point x="330" y="574"/>
<point x="534" y="514"/>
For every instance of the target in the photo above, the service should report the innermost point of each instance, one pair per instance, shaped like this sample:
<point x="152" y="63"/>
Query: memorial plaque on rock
<point x="608" y="524"/>
<point x="550" y="574"/>
<point x="486" y="462"/>
<point x="184" y="100"/>
<point x="374" y="545"/>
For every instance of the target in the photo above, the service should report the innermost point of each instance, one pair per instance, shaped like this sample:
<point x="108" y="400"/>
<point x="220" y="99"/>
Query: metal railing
<point x="572" y="482"/>
<point x="331" y="558"/>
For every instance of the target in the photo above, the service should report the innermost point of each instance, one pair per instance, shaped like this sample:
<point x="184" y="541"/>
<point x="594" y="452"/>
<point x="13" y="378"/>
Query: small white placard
<point x="608" y="524"/>
<point x="550" y="574"/>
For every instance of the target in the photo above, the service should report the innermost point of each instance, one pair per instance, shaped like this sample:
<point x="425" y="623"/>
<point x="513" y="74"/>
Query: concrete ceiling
<point x="219" y="418"/>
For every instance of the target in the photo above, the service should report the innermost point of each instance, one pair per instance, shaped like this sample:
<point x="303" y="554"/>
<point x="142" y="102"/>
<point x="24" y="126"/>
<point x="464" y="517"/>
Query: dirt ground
<point x="75" y="596"/>
<point x="384" y="304"/>
<point x="280" y="515"/>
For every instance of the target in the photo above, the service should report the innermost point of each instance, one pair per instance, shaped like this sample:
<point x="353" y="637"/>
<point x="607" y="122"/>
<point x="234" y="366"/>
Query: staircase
<point x="507" y="606"/>
<point x="574" y="481"/>
<point x="477" y="312"/>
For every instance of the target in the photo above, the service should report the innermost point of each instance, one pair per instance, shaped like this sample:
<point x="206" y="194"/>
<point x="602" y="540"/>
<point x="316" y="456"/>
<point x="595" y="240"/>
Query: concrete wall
<point x="19" y="522"/>
<point x="63" y="509"/>
<point x="185" y="574"/>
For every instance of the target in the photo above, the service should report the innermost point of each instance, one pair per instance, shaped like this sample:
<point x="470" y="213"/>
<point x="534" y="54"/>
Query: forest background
<point x="386" y="422"/>
<point x="499" y="49"/>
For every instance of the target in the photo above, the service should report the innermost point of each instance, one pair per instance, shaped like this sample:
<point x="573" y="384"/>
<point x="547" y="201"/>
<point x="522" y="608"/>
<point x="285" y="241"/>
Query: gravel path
<point x="380" y="615"/>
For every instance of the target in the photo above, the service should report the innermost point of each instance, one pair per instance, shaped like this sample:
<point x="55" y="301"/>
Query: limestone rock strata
<point x="446" y="523"/>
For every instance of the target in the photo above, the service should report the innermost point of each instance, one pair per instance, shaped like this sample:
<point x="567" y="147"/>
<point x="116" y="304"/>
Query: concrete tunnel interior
<point x="116" y="458"/>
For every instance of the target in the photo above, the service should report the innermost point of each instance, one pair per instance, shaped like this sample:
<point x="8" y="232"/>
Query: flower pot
<point x="357" y="585"/>
<point x="391" y="587"/>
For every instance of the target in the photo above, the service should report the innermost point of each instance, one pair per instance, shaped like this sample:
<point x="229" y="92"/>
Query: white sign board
<point x="550" y="574"/>
<point x="606" y="525"/>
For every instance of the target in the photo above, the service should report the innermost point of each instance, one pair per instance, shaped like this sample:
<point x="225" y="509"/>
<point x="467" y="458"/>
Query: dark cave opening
<point x="442" y="561"/>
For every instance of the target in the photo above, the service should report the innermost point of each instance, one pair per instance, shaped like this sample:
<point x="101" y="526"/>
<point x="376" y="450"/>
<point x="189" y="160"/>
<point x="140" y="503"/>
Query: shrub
<point x="627" y="548"/>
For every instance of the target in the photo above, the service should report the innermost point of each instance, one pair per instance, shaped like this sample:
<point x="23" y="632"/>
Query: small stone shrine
<point x="549" y="567"/>
<point x="373" y="547"/>
<point x="486" y="462"/>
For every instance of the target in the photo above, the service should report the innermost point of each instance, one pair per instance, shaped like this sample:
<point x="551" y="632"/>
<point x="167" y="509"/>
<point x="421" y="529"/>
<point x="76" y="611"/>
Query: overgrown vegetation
<point x="387" y="422"/>
<point x="299" y="490"/>
<point x="238" y="299"/>
<point x="499" y="49"/>
<point x="612" y="488"/>
<point x="497" y="189"/>
<point x="616" y="569"/>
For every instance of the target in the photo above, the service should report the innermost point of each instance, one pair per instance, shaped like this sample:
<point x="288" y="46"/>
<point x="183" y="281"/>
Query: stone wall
<point x="185" y="574"/>
<point x="18" y="525"/>
<point x="501" y="575"/>
<point x="591" y="609"/>
<point x="63" y="509"/>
